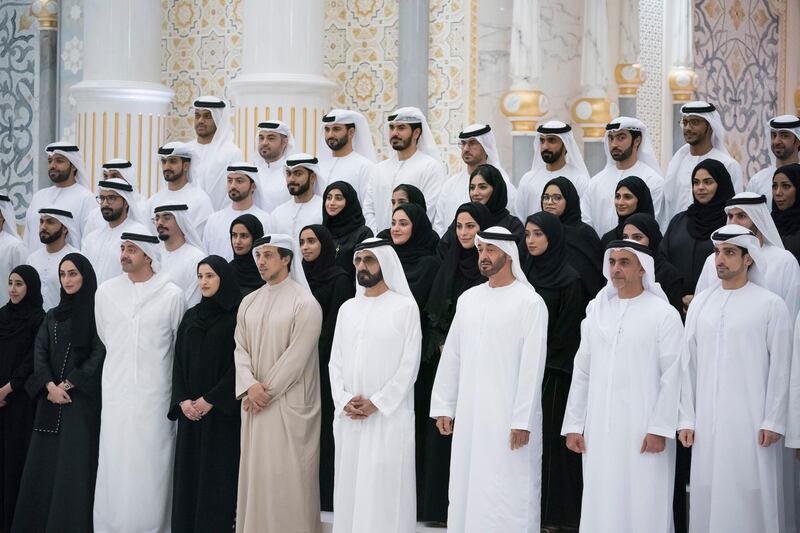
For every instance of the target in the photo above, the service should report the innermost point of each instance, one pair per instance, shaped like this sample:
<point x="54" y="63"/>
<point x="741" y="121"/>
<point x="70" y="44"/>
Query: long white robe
<point x="12" y="254"/>
<point x="455" y="191"/>
<point x="291" y="217"/>
<point x="489" y="381"/>
<point x="761" y="182"/>
<point x="779" y="273"/>
<point x="210" y="169"/>
<point x="181" y="267"/>
<point x="735" y="383"/>
<point x="46" y="264"/>
<point x="531" y="187"/>
<point x="271" y="190"/>
<point x="217" y="233"/>
<point x="137" y="323"/>
<point x="597" y="205"/>
<point x="678" y="179"/>
<point x="76" y="199"/>
<point x="792" y="441"/>
<point x="102" y="248"/>
<point x="625" y="384"/>
<point x="420" y="170"/>
<point x="200" y="206"/>
<point x="353" y="168"/>
<point x="375" y="354"/>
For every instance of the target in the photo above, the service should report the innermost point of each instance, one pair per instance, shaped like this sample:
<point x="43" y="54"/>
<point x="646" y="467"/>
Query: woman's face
<point x="401" y="227"/>
<point x="783" y="191"/>
<point x="704" y="187"/>
<point x="17" y="289"/>
<point x="480" y="190"/>
<point x="70" y="277"/>
<point x="633" y="233"/>
<point x="241" y="240"/>
<point x="334" y="202"/>
<point x="553" y="201"/>
<point x="625" y="202"/>
<point x="466" y="229"/>
<point x="309" y="245"/>
<point x="207" y="280"/>
<point x="535" y="239"/>
<point x="399" y="197"/>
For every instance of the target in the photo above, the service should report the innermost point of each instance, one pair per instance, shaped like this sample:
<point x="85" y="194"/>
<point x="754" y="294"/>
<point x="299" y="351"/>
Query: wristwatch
<point x="67" y="385"/>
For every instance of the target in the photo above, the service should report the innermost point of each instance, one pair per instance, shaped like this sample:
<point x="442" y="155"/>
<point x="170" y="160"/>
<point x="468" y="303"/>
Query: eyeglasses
<point x="107" y="199"/>
<point x="693" y="122"/>
<point x="555" y="198"/>
<point x="163" y="217"/>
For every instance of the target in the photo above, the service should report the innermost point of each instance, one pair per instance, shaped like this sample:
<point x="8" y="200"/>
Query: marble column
<point x="281" y="76"/>
<point x="122" y="105"/>
<point x="682" y="77"/>
<point x="524" y="105"/>
<point x="46" y="12"/>
<point x="412" y="68"/>
<point x="594" y="110"/>
<point x="628" y="73"/>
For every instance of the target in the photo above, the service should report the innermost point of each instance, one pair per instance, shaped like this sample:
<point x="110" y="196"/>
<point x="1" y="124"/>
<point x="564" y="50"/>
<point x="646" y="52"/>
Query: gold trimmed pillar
<point x="524" y="108"/>
<point x="591" y="114"/>
<point x="682" y="84"/>
<point x="46" y="14"/>
<point x="629" y="77"/>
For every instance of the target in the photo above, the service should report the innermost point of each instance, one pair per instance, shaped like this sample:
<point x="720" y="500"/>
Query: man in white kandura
<point x="622" y="411"/>
<point x="734" y="394"/>
<point x="346" y="152"/>
<point x="555" y="154"/>
<point x="274" y="143"/>
<point x="478" y="147"/>
<point x="415" y="160"/>
<point x="60" y="236"/>
<point x="489" y="382"/>
<point x="182" y="249"/>
<point x="242" y="189"/>
<point x="705" y="139"/>
<point x="783" y="133"/>
<point x="629" y="152"/>
<point x="214" y="149"/>
<point x="12" y="250"/>
<point x="374" y="362"/>
<point x="71" y="191"/>
<point x="137" y="315"/>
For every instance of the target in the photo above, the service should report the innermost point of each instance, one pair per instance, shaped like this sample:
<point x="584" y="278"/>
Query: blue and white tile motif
<point x="70" y="67"/>
<point x="19" y="52"/>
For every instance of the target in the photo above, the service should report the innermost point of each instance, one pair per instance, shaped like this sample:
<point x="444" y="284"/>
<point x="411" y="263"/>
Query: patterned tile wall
<point x="737" y="59"/>
<point x="19" y="60"/>
<point x="70" y="52"/>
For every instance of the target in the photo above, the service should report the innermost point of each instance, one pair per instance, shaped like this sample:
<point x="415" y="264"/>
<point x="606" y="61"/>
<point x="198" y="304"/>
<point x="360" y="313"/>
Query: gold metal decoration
<point x="46" y="12"/>
<point x="524" y="108"/>
<point x="629" y="77"/>
<point x="682" y="84"/>
<point x="592" y="115"/>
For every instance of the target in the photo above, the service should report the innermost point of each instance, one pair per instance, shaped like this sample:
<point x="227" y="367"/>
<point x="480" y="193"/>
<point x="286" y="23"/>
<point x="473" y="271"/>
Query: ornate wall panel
<point x="70" y="44"/>
<point x="650" y="98"/>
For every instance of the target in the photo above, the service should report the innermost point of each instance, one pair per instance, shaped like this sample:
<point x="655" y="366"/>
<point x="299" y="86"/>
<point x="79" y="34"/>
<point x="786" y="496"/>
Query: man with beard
<point x="705" y="139"/>
<point x="735" y="390"/>
<point x="71" y="191"/>
<point x="489" y="382"/>
<point x="176" y="160"/>
<point x="274" y="143"/>
<point x="632" y="154"/>
<point x="213" y="149"/>
<point x="124" y="169"/>
<point x="478" y="147"/>
<point x="117" y="202"/>
<point x="558" y="155"/>
<point x="12" y="249"/>
<point x="302" y="179"/>
<point x="137" y="315"/>
<point x="784" y="136"/>
<point x="415" y="160"/>
<point x="182" y="249"/>
<point x="347" y="153"/>
<point x="242" y="188"/>
<point x="373" y="397"/>
<point x="58" y="234"/>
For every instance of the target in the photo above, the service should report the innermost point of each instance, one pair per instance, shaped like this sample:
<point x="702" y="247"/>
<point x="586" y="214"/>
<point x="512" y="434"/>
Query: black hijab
<point x="80" y="305"/>
<point x="572" y="212"/>
<point x="549" y="270"/>
<point x="350" y="218"/>
<point x="324" y="267"/>
<point x="16" y="317"/>
<point x="498" y="202"/>
<point x="459" y="270"/>
<point x="788" y="220"/>
<point x="702" y="220"/>
<point x="644" y="201"/>
<point x="415" y="196"/>
<point x="227" y="297"/>
<point x="415" y="253"/>
<point x="244" y="266"/>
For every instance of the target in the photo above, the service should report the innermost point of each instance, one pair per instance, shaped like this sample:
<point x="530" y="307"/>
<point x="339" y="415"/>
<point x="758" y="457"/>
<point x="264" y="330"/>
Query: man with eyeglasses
<point x="182" y="248"/>
<point x="118" y="202"/>
<point x="705" y="139"/>
<point x="478" y="147"/>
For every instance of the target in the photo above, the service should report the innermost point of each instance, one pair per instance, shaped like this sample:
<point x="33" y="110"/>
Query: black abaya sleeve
<point x="565" y="336"/>
<point x="42" y="375"/>
<point x="24" y="368"/>
<point x="223" y="395"/>
<point x="84" y="377"/>
<point x="179" y="393"/>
